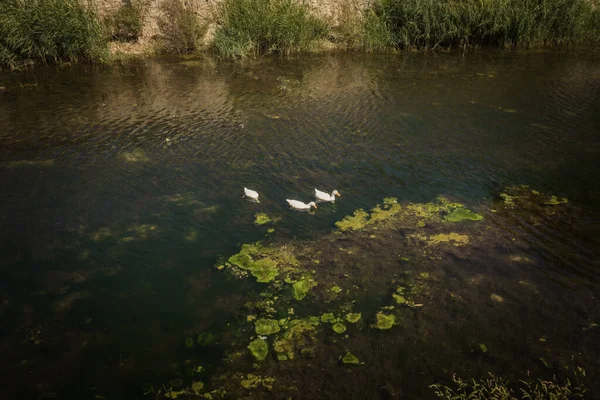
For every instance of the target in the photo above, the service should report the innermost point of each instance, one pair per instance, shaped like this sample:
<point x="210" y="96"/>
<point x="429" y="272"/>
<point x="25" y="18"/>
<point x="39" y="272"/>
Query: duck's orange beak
<point x="338" y="195"/>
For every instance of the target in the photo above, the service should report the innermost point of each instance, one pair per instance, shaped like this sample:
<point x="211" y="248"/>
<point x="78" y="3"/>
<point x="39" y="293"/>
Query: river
<point x="121" y="190"/>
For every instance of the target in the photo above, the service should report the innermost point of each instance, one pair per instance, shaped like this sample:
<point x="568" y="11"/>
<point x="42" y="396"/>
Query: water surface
<point x="121" y="187"/>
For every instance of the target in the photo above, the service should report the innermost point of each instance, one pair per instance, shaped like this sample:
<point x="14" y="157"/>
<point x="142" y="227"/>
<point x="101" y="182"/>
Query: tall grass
<point x="252" y="27"/>
<point x="426" y="24"/>
<point x="126" y="23"/>
<point x="49" y="31"/>
<point x="180" y="29"/>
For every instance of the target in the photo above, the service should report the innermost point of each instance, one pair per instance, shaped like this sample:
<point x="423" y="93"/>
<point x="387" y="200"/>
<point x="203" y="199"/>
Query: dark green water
<point x="120" y="189"/>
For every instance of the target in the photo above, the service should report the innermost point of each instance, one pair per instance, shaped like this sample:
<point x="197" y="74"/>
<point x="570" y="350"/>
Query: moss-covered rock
<point x="259" y="349"/>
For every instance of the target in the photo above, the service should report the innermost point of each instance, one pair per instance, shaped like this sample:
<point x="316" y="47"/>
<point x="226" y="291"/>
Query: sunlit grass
<point x="253" y="27"/>
<point x="49" y="31"/>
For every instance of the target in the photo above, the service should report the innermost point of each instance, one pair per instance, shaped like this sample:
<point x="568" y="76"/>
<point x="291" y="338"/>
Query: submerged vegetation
<point x="497" y="388"/>
<point x="283" y="329"/>
<point x="49" y="31"/>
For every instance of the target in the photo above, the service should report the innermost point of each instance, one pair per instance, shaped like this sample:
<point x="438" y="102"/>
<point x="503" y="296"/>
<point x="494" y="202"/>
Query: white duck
<point x="251" y="194"/>
<point x="322" y="196"/>
<point x="298" y="205"/>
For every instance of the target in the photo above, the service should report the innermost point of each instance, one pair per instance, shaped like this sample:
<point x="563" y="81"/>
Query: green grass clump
<point x="125" y="24"/>
<point x="49" y="31"/>
<point x="428" y="24"/>
<point x="253" y="27"/>
<point x="180" y="28"/>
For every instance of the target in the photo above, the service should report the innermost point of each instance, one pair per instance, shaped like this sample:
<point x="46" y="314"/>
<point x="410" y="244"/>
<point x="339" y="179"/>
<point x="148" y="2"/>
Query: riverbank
<point x="99" y="30"/>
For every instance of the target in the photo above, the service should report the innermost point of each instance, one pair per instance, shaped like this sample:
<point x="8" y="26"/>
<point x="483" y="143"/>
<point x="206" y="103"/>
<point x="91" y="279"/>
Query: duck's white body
<point x="251" y="194"/>
<point x="322" y="196"/>
<point x="298" y="205"/>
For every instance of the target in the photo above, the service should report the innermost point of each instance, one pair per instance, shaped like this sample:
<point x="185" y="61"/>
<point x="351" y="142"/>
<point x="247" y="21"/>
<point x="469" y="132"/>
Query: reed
<point x="49" y="31"/>
<point x="427" y="24"/>
<point x="180" y="28"/>
<point x="252" y="27"/>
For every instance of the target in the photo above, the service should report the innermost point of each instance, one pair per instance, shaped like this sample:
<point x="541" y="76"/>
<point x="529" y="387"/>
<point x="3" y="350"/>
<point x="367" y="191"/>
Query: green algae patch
<point x="328" y="318"/>
<point x="454" y="238"/>
<point x="302" y="287"/>
<point x="251" y="381"/>
<point x="554" y="201"/>
<point x="264" y="263"/>
<point x="353" y="317"/>
<point x="205" y="338"/>
<point x="261" y="219"/>
<point x="176" y="383"/>
<point x="259" y="349"/>
<point x="197" y="387"/>
<point x="354" y="222"/>
<point x="384" y="321"/>
<point x="463" y="214"/>
<point x="339" y="328"/>
<point x="298" y="338"/>
<point x="350" y="358"/>
<point x="189" y="342"/>
<point x="483" y="348"/>
<point x="265" y="326"/>
<point x="264" y="270"/>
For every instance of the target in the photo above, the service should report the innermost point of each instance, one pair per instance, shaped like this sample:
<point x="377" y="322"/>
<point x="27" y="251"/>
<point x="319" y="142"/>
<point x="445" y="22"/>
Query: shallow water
<point x="121" y="188"/>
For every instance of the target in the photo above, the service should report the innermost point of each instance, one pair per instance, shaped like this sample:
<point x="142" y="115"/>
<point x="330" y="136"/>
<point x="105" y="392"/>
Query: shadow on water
<point x="121" y="190"/>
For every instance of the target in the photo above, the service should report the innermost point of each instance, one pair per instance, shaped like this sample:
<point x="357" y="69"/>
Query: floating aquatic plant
<point x="556" y="201"/>
<point x="328" y="317"/>
<point x="353" y="222"/>
<point x="259" y="349"/>
<point x="339" y="327"/>
<point x="265" y="326"/>
<point x="350" y="358"/>
<point x="463" y="214"/>
<point x="197" y="387"/>
<point x="261" y="219"/>
<point x="384" y="321"/>
<point x="205" y="338"/>
<point x="353" y="317"/>
<point x="302" y="287"/>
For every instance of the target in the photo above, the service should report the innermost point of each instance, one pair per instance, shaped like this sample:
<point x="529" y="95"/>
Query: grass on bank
<point x="126" y="23"/>
<point x="427" y="24"/>
<point x="49" y="31"/>
<point x="252" y="27"/>
<point x="181" y="31"/>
